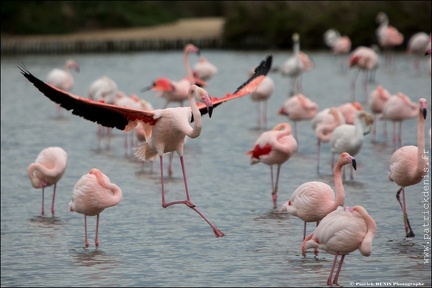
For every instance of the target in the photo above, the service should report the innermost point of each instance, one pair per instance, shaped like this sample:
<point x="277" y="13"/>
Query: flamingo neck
<point x="420" y="144"/>
<point x="196" y="131"/>
<point x="366" y="245"/>
<point x="358" y="126"/>
<point x="340" y="191"/>
<point x="117" y="194"/>
<point x="188" y="66"/>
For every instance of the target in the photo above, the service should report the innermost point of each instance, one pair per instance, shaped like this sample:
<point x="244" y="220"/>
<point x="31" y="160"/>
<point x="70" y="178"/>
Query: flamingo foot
<point x="86" y="243"/>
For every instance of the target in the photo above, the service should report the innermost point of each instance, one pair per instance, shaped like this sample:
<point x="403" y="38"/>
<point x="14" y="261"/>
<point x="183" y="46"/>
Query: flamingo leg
<point x="329" y="280"/>
<point x="399" y="139"/>
<point x="408" y="230"/>
<point x="385" y="129"/>
<point x="258" y="115"/>
<point x="43" y="210"/>
<point x="365" y="84"/>
<point x="318" y="154"/>
<point x="276" y="187"/>
<point x="85" y="232"/>
<point x="273" y="186"/>
<point x="170" y="170"/>
<point x="332" y="162"/>
<point x="97" y="231"/>
<point x="374" y="127"/>
<point x="295" y="131"/>
<point x="335" y="281"/>
<point x="316" y="251"/>
<point x="53" y="199"/>
<point x="264" y="120"/>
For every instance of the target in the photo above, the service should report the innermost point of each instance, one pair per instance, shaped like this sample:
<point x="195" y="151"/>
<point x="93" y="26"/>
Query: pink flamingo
<point x="47" y="170"/>
<point x="341" y="232"/>
<point x="298" y="108"/>
<point x="204" y="69"/>
<point x="388" y="37"/>
<point x="418" y="44"/>
<point x="340" y="45"/>
<point x="261" y="95"/>
<point x="63" y="79"/>
<point x="408" y="164"/>
<point x="92" y="193"/>
<point x="323" y="125"/>
<point x="165" y="129"/>
<point x="274" y="147"/>
<point x="313" y="200"/>
<point x="177" y="91"/>
<point x="398" y="109"/>
<point x="349" y="138"/>
<point x="365" y="59"/>
<point x="376" y="101"/>
<point x="349" y="110"/>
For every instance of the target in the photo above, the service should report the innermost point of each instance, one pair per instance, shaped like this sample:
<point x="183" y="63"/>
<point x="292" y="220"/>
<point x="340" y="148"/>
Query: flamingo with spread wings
<point x="165" y="129"/>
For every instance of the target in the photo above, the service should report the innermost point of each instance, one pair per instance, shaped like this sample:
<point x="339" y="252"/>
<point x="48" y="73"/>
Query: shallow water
<point x="143" y="244"/>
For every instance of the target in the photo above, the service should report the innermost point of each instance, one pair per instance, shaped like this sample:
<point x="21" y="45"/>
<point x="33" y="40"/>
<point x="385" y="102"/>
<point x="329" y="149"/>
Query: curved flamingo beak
<point x="424" y="109"/>
<point x="354" y="163"/>
<point x="209" y="104"/>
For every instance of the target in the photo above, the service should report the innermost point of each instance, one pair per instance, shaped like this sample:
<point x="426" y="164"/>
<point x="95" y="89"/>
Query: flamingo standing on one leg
<point x="388" y="38"/>
<point x="298" y="108"/>
<point x="166" y="129"/>
<point x="274" y="147"/>
<point x="398" y="109"/>
<point x="313" y="200"/>
<point x="341" y="232"/>
<point x="349" y="138"/>
<point x="63" y="79"/>
<point x="418" y="44"/>
<point x="92" y="193"/>
<point x="323" y="124"/>
<point x="376" y="101"/>
<point x="408" y="164"/>
<point x="340" y="45"/>
<point x="47" y="170"/>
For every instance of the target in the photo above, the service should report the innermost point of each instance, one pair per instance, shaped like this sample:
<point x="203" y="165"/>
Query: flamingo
<point x="293" y="67"/>
<point x="417" y="45"/>
<point x="340" y="45"/>
<point x="106" y="90"/>
<point x="365" y="59"/>
<point x="63" y="79"/>
<point x="388" y="37"/>
<point x="298" y="108"/>
<point x="349" y="138"/>
<point x="261" y="95"/>
<point x="349" y="110"/>
<point x="204" y="69"/>
<point x="341" y="232"/>
<point x="376" y="101"/>
<point x="274" y="147"/>
<point x="323" y="125"/>
<point x="313" y="200"/>
<point x="92" y="193"/>
<point x="408" y="164"/>
<point x="165" y="129"/>
<point x="47" y="170"/>
<point x="398" y="109"/>
<point x="177" y="91"/>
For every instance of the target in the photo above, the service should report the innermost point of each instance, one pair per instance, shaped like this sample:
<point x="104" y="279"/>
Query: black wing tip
<point x="261" y="70"/>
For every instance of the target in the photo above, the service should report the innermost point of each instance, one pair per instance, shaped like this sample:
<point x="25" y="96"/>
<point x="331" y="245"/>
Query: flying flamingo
<point x="376" y="101"/>
<point x="388" y="37"/>
<point x="177" y="91"/>
<point x="261" y="95"/>
<point x="92" y="193"/>
<point x="104" y="89"/>
<point x="340" y="45"/>
<point x="418" y="44"/>
<point x="349" y="138"/>
<point x="313" y="200"/>
<point x="365" y="59"/>
<point x="398" y="109"/>
<point x="165" y="129"/>
<point x="47" y="170"/>
<point x="408" y="164"/>
<point x="293" y="67"/>
<point x="63" y="79"/>
<point x="274" y="147"/>
<point x="341" y="232"/>
<point x="298" y="108"/>
<point x="323" y="125"/>
<point x="349" y="110"/>
<point x="204" y="69"/>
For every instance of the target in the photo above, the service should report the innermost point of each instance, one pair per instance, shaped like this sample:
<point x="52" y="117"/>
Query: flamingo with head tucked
<point x="165" y="129"/>
<point x="48" y="168"/>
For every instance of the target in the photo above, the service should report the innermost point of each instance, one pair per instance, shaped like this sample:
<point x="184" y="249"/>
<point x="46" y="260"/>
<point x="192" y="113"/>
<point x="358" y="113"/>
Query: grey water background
<point x="143" y="244"/>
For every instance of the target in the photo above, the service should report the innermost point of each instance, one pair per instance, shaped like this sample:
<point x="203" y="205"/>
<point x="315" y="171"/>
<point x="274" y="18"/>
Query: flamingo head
<point x="161" y="84"/>
<point x="345" y="158"/>
<point x="71" y="64"/>
<point x="354" y="60"/>
<point x="423" y="107"/>
<point x="283" y="111"/>
<point x="357" y="105"/>
<point x="381" y="17"/>
<point x="203" y="97"/>
<point x="295" y="37"/>
<point x="284" y="206"/>
<point x="190" y="48"/>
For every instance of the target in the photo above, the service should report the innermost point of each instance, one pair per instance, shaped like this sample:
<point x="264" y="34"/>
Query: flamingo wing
<point x="108" y="115"/>
<point x="246" y="88"/>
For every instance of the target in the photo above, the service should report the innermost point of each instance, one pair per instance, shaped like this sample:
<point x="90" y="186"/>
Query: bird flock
<point x="340" y="229"/>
